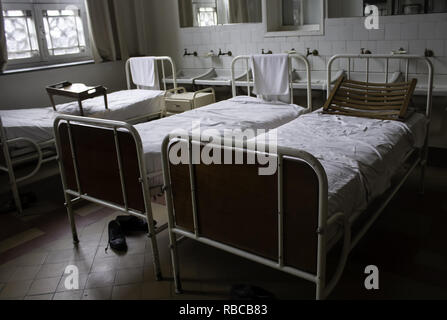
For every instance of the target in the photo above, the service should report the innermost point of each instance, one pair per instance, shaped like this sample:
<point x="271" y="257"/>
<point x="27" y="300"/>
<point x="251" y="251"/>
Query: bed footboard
<point x="102" y="161"/>
<point x="265" y="218"/>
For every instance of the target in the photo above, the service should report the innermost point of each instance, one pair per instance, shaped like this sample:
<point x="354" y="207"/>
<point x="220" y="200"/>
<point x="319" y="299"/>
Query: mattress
<point x="359" y="155"/>
<point x="37" y="123"/>
<point x="241" y="112"/>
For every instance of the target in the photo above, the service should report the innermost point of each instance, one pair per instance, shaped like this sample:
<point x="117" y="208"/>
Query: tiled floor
<point x="406" y="243"/>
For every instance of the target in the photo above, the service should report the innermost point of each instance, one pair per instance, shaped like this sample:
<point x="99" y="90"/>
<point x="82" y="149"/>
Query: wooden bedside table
<point x="178" y="100"/>
<point x="78" y="91"/>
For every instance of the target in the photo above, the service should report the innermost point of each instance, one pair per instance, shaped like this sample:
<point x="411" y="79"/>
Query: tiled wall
<point x="342" y="35"/>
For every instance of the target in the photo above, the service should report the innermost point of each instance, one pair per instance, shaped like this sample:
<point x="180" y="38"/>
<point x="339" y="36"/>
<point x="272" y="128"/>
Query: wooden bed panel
<point x="65" y="156"/>
<point x="300" y="215"/>
<point x="239" y="208"/>
<point x="131" y="171"/>
<point x="98" y="172"/>
<point x="181" y="192"/>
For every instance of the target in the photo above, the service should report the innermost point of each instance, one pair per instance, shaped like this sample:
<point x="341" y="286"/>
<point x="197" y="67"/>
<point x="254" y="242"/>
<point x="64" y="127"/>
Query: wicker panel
<point x="371" y="100"/>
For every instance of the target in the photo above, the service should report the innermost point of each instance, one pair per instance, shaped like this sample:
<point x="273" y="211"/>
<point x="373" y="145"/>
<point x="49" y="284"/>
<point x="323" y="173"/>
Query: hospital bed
<point x="122" y="164"/>
<point x="334" y="176"/>
<point x="26" y="135"/>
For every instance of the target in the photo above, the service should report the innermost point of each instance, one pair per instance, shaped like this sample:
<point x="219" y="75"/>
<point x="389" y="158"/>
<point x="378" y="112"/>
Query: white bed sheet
<point x="37" y="123"/>
<point x="241" y="112"/>
<point x="359" y="155"/>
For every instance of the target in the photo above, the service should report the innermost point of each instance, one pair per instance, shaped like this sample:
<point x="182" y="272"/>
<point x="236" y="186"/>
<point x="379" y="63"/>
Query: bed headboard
<point x="249" y="83"/>
<point x="162" y="59"/>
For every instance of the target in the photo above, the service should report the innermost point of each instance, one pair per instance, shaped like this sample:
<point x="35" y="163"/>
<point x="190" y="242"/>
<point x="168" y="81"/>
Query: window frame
<point x="45" y="58"/>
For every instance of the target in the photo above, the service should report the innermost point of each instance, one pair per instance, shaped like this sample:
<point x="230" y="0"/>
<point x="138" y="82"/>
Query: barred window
<point x="41" y="32"/>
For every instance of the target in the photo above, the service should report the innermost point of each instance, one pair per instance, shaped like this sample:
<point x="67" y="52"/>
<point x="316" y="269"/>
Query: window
<point x="39" y="34"/>
<point x="64" y="32"/>
<point x="21" y="37"/>
<point x="207" y="16"/>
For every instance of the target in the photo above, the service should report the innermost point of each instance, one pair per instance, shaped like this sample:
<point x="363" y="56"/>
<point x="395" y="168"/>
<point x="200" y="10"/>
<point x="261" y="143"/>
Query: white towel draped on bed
<point x="145" y="72"/>
<point x="271" y="77"/>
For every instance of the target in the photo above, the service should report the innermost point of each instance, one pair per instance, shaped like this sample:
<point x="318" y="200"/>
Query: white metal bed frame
<point x="323" y="288"/>
<point x="42" y="156"/>
<point x="73" y="196"/>
<point x="295" y="56"/>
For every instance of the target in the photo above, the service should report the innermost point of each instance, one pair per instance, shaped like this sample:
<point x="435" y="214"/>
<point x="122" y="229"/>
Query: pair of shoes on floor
<point x="248" y="292"/>
<point x="122" y="226"/>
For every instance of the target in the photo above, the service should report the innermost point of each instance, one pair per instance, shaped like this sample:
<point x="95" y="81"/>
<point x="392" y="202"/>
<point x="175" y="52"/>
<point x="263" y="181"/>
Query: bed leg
<point x="16" y="194"/>
<point x="422" y="178"/>
<point x="155" y="255"/>
<point x="71" y="219"/>
<point x="175" y="264"/>
<point x="319" y="291"/>
<point x="13" y="182"/>
<point x="424" y="160"/>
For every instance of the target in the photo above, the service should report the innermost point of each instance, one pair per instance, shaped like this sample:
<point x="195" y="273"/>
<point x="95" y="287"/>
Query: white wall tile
<point x="384" y="47"/>
<point x="417" y="46"/>
<point x="346" y="32"/>
<point x="360" y="33"/>
<point x="325" y="47"/>
<point x="409" y="31"/>
<point x="339" y="47"/>
<point x="392" y="31"/>
<point x="353" y="47"/>
<point x="437" y="46"/>
<point x="440" y="30"/>
<point x="427" y="30"/>
<point x="376" y="34"/>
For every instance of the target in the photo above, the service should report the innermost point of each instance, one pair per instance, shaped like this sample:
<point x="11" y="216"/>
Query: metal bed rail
<point x="73" y="196"/>
<point x="162" y="59"/>
<point x="295" y="56"/>
<point x="9" y="162"/>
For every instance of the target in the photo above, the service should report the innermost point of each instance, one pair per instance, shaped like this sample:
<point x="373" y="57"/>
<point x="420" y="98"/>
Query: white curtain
<point x="3" y="50"/>
<point x="119" y="29"/>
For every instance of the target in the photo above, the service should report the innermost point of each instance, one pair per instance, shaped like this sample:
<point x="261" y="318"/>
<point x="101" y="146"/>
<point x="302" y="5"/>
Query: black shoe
<point x="247" y="292"/>
<point x="117" y="240"/>
<point x="133" y="224"/>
